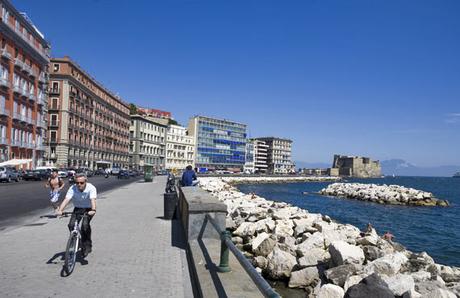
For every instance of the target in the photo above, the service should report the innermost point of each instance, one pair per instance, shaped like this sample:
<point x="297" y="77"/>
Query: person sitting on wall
<point x="189" y="177"/>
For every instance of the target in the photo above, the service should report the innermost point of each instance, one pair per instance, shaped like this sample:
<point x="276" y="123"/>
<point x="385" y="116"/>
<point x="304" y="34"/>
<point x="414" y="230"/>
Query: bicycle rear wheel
<point x="71" y="253"/>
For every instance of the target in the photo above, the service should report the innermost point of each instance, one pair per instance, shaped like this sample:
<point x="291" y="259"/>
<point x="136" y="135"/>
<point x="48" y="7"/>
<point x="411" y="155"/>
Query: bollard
<point x="224" y="266"/>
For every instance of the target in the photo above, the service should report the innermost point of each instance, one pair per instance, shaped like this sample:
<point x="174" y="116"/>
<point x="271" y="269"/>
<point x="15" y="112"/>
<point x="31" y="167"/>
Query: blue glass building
<point x="219" y="144"/>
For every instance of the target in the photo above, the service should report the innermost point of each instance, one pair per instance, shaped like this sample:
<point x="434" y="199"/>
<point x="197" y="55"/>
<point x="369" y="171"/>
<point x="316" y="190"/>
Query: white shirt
<point x="82" y="199"/>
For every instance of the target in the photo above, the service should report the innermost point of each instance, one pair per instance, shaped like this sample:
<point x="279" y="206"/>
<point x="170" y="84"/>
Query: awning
<point x="15" y="162"/>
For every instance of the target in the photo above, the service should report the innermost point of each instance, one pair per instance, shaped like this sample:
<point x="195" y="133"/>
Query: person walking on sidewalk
<point x="56" y="184"/>
<point x="83" y="196"/>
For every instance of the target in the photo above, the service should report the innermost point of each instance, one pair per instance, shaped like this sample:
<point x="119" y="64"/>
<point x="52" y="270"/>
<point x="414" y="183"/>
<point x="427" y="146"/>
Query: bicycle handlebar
<point x="67" y="213"/>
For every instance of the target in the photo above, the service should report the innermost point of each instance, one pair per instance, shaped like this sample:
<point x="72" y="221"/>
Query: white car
<point x="63" y="173"/>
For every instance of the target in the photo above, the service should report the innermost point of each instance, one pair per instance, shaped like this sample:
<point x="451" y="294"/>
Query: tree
<point x="132" y="109"/>
<point x="173" y="122"/>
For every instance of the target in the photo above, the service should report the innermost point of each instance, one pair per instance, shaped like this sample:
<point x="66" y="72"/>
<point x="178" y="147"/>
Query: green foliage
<point x="173" y="122"/>
<point x="132" y="109"/>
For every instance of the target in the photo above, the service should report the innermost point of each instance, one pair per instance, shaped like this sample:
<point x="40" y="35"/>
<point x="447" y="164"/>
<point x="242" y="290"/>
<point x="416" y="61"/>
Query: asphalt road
<point x="24" y="202"/>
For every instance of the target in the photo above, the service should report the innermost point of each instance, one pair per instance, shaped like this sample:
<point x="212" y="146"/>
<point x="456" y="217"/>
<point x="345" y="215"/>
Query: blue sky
<point x="374" y="78"/>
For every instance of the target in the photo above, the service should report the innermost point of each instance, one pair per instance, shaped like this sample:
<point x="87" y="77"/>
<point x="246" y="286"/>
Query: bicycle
<point x="73" y="244"/>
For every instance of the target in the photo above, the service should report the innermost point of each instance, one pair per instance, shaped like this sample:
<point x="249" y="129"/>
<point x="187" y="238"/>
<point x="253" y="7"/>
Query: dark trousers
<point x="85" y="226"/>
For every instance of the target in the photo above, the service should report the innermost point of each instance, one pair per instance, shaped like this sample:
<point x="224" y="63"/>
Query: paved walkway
<point x="135" y="252"/>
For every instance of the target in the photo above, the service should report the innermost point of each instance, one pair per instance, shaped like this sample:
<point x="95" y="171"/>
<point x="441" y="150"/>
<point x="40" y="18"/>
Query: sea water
<point x="435" y="230"/>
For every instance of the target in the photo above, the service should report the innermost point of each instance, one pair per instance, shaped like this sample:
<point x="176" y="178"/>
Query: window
<point x="55" y="85"/>
<point x="53" y="135"/>
<point x="55" y="67"/>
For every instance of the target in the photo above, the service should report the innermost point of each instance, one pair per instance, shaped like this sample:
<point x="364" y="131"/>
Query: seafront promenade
<point x="136" y="253"/>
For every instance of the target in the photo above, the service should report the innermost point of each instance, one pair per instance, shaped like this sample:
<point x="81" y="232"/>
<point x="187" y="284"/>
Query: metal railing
<point x="226" y="245"/>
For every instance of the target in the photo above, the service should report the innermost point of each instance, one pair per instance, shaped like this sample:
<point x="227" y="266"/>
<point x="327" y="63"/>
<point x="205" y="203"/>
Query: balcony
<point x="42" y="78"/>
<point x="32" y="96"/>
<point x="4" y="83"/>
<point x="4" y="111"/>
<point x="53" y="91"/>
<point x="41" y="99"/>
<point x="17" y="89"/>
<point x="5" y="54"/>
<point x="16" y="143"/>
<point x="53" y="107"/>
<point x="18" y="63"/>
<point x="32" y="73"/>
<point x="40" y="123"/>
<point x="23" y="118"/>
<point x="30" y="121"/>
<point x="26" y="68"/>
<point x="24" y="93"/>
<point x="54" y="123"/>
<point x="16" y="116"/>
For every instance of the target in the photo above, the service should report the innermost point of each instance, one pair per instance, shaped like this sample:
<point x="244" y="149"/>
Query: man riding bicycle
<point x="83" y="196"/>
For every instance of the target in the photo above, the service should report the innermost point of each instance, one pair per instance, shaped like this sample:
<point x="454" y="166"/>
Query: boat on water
<point x="456" y="175"/>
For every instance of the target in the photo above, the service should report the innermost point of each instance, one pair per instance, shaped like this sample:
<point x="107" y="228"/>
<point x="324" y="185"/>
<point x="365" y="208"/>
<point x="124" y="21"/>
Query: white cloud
<point x="452" y="118"/>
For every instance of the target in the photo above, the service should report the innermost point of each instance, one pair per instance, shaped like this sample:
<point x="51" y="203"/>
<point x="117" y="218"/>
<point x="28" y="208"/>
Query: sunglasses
<point x="81" y="183"/>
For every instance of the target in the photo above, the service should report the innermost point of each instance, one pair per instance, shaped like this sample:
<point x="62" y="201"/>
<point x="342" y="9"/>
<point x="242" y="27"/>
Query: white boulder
<point x="303" y="278"/>
<point x="399" y="283"/>
<point x="330" y="291"/>
<point x="388" y="265"/>
<point x="280" y="263"/>
<point x="344" y="253"/>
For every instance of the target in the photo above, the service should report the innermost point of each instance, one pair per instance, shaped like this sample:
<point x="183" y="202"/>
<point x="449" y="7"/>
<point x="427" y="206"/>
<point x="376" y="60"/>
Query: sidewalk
<point x="135" y="252"/>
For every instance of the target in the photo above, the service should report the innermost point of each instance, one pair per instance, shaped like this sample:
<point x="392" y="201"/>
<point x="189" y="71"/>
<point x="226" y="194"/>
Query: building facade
<point x="88" y="124"/>
<point x="279" y="155"/>
<point x="356" y="166"/>
<point x="23" y="76"/>
<point x="249" y="161"/>
<point x="219" y="144"/>
<point x="148" y="143"/>
<point x="256" y="157"/>
<point x="154" y="113"/>
<point x="180" y="148"/>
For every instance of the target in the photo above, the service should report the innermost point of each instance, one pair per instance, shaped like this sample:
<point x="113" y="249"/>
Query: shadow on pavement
<point x="58" y="258"/>
<point x="212" y="268"/>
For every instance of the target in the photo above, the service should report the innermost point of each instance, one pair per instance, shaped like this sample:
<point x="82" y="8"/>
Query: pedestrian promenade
<point x="136" y="253"/>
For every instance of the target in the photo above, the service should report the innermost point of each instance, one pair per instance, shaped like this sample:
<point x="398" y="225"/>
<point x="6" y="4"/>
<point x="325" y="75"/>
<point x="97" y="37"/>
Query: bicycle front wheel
<point x="71" y="253"/>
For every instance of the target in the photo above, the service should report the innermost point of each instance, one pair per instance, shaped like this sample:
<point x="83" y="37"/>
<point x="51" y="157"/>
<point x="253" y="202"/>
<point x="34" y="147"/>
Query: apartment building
<point x="147" y="143"/>
<point x="180" y="148"/>
<point x="219" y="144"/>
<point x="256" y="157"/>
<point x="279" y="159"/>
<point x="88" y="124"/>
<point x="24" y="58"/>
<point x="155" y="113"/>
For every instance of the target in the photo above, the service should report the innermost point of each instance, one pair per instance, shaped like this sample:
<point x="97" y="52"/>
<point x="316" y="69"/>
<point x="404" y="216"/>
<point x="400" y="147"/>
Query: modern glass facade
<point x="220" y="144"/>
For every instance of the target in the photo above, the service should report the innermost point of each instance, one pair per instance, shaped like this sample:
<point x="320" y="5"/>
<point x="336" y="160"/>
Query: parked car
<point x="123" y="174"/>
<point x="99" y="172"/>
<point x="86" y="171"/>
<point x="63" y="173"/>
<point x="8" y="174"/>
<point x="21" y="173"/>
<point x="162" y="172"/>
<point x="115" y="171"/>
<point x="36" y="175"/>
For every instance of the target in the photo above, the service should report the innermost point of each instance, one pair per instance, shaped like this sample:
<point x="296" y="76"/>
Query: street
<point x="24" y="202"/>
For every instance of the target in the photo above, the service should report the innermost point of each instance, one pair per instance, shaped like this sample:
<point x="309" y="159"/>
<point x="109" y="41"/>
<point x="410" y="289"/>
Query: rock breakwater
<point x="285" y="179"/>
<point x="383" y="194"/>
<point x="310" y="251"/>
